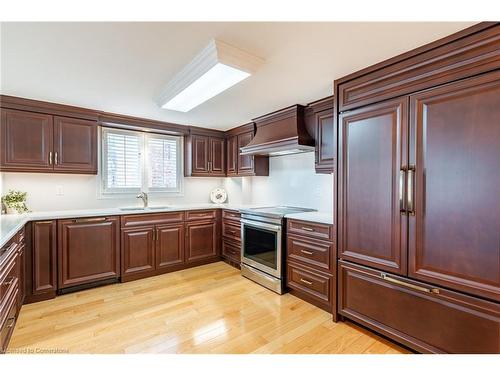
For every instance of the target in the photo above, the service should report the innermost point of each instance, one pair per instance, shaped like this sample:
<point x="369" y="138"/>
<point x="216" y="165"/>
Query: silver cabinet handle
<point x="50" y="157"/>
<point x="392" y="280"/>
<point x="306" y="252"/>
<point x="402" y="186"/>
<point x="410" y="190"/>
<point x="55" y="158"/>
<point x="306" y="281"/>
<point x="308" y="229"/>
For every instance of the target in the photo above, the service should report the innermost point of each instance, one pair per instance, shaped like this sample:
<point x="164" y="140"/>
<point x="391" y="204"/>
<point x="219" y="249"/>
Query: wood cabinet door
<point x="169" y="245"/>
<point x="26" y="141"/>
<point x="200" y="156"/>
<point x="75" y="145"/>
<point x="455" y="147"/>
<point x="137" y="251"/>
<point x="232" y="156"/>
<point x="201" y="240"/>
<point x="374" y="143"/>
<point x="44" y="245"/>
<point x="325" y="147"/>
<point x="217" y="157"/>
<point x="245" y="162"/>
<point x="88" y="250"/>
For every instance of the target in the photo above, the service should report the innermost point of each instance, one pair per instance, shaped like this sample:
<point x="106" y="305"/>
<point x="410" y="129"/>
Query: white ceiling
<point x="120" y="67"/>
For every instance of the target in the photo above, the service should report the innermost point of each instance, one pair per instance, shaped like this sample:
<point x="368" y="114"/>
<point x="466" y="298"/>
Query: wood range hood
<point x="280" y="133"/>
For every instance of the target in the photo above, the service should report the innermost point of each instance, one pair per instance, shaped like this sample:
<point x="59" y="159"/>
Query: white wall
<point x="292" y="181"/>
<point x="80" y="192"/>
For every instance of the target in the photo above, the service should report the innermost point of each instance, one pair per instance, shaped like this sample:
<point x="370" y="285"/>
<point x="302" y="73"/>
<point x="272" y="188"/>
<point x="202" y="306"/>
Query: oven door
<point x="261" y="246"/>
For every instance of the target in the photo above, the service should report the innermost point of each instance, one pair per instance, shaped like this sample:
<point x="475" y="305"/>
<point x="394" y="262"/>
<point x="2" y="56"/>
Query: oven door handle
<point x="257" y="224"/>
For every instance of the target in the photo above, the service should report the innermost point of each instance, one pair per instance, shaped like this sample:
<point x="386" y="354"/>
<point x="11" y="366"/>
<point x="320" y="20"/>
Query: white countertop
<point x="313" y="216"/>
<point x="11" y="224"/>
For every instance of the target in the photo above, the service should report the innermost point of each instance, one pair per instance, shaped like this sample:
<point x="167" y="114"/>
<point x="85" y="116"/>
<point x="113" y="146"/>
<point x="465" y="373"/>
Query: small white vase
<point x="11" y="210"/>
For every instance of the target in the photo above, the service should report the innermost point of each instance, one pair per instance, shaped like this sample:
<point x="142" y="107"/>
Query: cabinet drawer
<point x="419" y="315"/>
<point x="231" y="250"/>
<point x="151" y="219"/>
<point x="8" y="279"/>
<point x="312" y="252"/>
<point x="231" y="230"/>
<point x="313" y="286"/>
<point x="7" y="323"/>
<point x="308" y="229"/>
<point x="231" y="215"/>
<point x="201" y="215"/>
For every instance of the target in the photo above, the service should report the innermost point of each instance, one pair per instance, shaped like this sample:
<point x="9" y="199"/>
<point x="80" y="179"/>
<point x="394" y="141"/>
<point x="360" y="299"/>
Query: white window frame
<point x="105" y="192"/>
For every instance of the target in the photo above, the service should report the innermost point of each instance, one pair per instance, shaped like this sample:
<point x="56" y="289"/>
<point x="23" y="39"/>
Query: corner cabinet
<point x="205" y="155"/>
<point x="35" y="142"/>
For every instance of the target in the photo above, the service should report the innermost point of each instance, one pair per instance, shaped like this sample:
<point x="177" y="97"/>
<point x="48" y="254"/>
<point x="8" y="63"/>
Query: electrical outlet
<point x="59" y="190"/>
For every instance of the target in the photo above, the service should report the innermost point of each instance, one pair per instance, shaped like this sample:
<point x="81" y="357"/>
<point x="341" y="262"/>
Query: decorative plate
<point x="218" y="196"/>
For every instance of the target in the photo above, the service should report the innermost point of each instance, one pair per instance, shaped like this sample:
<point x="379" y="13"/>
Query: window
<point x="134" y="161"/>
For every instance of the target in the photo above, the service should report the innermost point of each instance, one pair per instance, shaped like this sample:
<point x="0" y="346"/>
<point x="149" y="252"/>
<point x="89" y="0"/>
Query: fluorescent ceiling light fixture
<point x="215" y="69"/>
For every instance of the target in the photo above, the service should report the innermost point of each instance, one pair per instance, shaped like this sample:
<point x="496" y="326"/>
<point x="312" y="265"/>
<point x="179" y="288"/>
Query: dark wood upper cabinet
<point x="232" y="155"/>
<point x="373" y="151"/>
<point x="201" y="241"/>
<point x="44" y="257"/>
<point x="244" y="165"/>
<point x="455" y="146"/>
<point x="466" y="53"/>
<point x="217" y="162"/>
<point x="169" y="247"/>
<point x="200" y="154"/>
<point x="319" y="124"/>
<point x="34" y="142"/>
<point x="245" y="162"/>
<point x="88" y="250"/>
<point x="27" y="141"/>
<point x="75" y="145"/>
<point x="205" y="154"/>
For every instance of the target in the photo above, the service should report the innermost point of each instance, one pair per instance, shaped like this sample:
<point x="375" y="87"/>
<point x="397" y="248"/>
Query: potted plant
<point x="15" y="202"/>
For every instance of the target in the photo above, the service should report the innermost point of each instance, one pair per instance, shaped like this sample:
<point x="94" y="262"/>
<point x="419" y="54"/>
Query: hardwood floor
<point x="207" y="309"/>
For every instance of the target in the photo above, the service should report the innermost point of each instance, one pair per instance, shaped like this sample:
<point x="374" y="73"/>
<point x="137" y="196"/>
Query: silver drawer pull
<point x="306" y="281"/>
<point x="408" y="285"/>
<point x="306" y="252"/>
<point x="92" y="220"/>
<point x="308" y="229"/>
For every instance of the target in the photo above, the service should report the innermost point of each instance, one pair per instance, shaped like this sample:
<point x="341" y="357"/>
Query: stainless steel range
<point x="263" y="244"/>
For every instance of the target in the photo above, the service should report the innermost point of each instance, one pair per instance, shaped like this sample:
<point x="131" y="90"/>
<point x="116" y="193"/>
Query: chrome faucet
<point x="144" y="198"/>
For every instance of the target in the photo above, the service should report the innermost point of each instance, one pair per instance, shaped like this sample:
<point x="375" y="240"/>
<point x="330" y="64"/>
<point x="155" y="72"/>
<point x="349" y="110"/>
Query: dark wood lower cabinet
<point x="311" y="285"/>
<point x="88" y="250"/>
<point x="201" y="241"/>
<point x="169" y="246"/>
<point x="138" y="257"/>
<point x="421" y="316"/>
<point x="44" y="259"/>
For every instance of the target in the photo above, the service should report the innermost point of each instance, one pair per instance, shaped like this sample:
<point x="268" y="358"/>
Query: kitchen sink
<point x="152" y="208"/>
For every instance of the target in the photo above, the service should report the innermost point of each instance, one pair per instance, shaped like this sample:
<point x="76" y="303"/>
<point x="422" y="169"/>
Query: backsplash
<point x="292" y="181"/>
<point x="81" y="191"/>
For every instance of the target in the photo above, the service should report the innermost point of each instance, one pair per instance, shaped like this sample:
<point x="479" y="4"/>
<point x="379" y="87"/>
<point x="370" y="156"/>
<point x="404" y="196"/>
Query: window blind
<point x="122" y="155"/>
<point x="162" y="157"/>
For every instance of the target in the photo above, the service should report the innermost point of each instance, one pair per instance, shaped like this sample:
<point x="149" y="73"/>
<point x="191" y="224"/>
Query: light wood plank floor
<point x="207" y="309"/>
